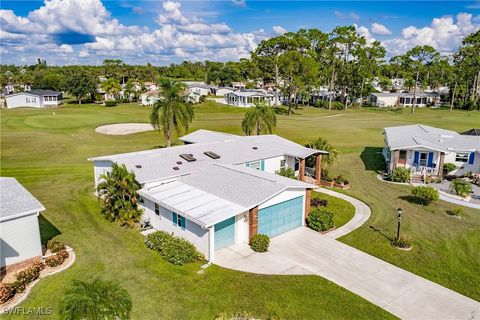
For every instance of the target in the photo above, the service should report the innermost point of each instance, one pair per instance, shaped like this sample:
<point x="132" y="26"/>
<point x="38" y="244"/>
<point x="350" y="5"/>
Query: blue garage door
<point x="280" y="217"/>
<point x="225" y="233"/>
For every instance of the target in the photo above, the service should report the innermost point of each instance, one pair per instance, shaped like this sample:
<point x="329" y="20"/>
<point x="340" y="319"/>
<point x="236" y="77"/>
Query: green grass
<point x="47" y="151"/>
<point x="342" y="210"/>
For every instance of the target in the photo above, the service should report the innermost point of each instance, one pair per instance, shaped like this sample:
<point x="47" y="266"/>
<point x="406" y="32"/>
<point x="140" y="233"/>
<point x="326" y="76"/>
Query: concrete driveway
<point x="304" y="251"/>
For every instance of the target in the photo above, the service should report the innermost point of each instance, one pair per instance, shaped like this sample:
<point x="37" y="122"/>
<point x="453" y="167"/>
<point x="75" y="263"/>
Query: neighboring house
<point x="238" y="85"/>
<point x="388" y="99"/>
<point x="220" y="189"/>
<point x="34" y="99"/>
<point x="192" y="97"/>
<point x="151" y="86"/>
<point x="222" y="91"/>
<point x="247" y="98"/>
<point x="149" y="98"/>
<point x="20" y="233"/>
<point x="424" y="150"/>
<point x="201" y="89"/>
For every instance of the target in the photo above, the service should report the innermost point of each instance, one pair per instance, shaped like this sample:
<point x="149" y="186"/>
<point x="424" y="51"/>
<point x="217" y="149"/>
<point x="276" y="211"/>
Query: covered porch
<point x="422" y="163"/>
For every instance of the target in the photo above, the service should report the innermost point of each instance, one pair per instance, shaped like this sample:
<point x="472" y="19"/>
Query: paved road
<point x="402" y="293"/>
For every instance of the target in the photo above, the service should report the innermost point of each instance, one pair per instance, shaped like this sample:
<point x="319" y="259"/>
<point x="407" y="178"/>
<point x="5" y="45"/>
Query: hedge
<point x="260" y="243"/>
<point x="320" y="220"/>
<point x="173" y="249"/>
<point x="55" y="245"/>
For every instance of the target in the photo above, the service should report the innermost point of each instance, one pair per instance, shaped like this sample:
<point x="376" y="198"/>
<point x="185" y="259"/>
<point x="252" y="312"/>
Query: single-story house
<point x="201" y="89"/>
<point x="390" y="99"/>
<point x="151" y="86"/>
<point x="238" y="85"/>
<point x="34" y="99"/>
<point x="219" y="189"/>
<point x="192" y="97"/>
<point x="149" y="98"/>
<point x="425" y="150"/>
<point x="247" y="98"/>
<point x="20" y="232"/>
<point x="222" y="91"/>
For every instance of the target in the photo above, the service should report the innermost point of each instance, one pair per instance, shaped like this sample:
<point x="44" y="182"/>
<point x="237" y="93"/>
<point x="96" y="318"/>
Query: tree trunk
<point x="258" y="128"/>
<point x="361" y="92"/>
<point x="415" y="92"/>
<point x="79" y="100"/>
<point x="277" y="84"/>
<point x="453" y="94"/>
<point x="332" y="86"/>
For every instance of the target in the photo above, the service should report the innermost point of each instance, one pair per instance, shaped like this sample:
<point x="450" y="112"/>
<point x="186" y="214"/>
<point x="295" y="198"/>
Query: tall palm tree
<point x="259" y="118"/>
<point x="95" y="300"/>
<point x="172" y="112"/>
<point x="118" y="194"/>
<point x="111" y="87"/>
<point x="322" y="144"/>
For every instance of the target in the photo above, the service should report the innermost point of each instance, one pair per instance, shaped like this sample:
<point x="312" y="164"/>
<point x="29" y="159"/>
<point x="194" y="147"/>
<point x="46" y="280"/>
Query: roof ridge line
<point x="243" y="172"/>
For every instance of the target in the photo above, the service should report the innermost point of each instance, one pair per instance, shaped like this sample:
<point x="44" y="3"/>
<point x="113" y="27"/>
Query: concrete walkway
<point x="304" y="251"/>
<point x="362" y="213"/>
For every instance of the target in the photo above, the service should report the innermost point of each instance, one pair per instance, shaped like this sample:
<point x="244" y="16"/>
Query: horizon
<point x="165" y="32"/>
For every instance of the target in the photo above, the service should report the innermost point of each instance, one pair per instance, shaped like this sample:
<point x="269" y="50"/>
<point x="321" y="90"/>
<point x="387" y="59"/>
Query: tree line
<point x="296" y="63"/>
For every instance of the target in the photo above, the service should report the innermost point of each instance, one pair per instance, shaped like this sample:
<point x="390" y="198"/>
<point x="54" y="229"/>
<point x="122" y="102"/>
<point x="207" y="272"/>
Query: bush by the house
<point x="260" y="243"/>
<point x="461" y="187"/>
<point x="425" y="195"/>
<point x="403" y="242"/>
<point x="341" y="180"/>
<point x="26" y="276"/>
<point x="57" y="259"/>
<point x="457" y="211"/>
<point x="173" y="249"/>
<point x="286" y="172"/>
<point x="110" y="103"/>
<point x="319" y="202"/>
<point x="55" y="245"/>
<point x="325" y="176"/>
<point x="449" y="167"/>
<point x="320" y="220"/>
<point x="39" y="265"/>
<point x="7" y="291"/>
<point x="400" y="175"/>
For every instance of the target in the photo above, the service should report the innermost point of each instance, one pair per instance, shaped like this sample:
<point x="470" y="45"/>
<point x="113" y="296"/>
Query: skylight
<point x="187" y="157"/>
<point x="212" y="154"/>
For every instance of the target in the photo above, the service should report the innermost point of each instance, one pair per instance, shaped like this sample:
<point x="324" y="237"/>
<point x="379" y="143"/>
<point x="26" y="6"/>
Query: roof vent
<point x="176" y="168"/>
<point x="254" y="148"/>
<point x="187" y="157"/>
<point x="179" y="162"/>
<point x="211" y="154"/>
<point x="138" y="166"/>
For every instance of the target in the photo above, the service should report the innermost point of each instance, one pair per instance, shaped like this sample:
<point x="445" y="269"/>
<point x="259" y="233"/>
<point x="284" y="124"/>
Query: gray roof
<point x="251" y="93"/>
<point x="16" y="201"/>
<point x="203" y="135"/>
<point x="422" y="136"/>
<point x="158" y="164"/>
<point x="40" y="92"/>
<point x="405" y="94"/>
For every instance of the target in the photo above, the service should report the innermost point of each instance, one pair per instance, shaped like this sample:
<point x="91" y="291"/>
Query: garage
<point x="281" y="217"/>
<point x="224" y="233"/>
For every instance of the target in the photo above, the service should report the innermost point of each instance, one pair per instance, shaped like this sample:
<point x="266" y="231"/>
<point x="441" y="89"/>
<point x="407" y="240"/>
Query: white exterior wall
<point x="284" y="196"/>
<point x="241" y="228"/>
<point x="200" y="91"/>
<point x="148" y="100"/>
<point x="20" y="239"/>
<point x="194" y="233"/>
<point x="20" y="100"/>
<point x="272" y="165"/>
<point x="463" y="167"/>
<point x="387" y="101"/>
<point x="223" y="91"/>
<point x="99" y="168"/>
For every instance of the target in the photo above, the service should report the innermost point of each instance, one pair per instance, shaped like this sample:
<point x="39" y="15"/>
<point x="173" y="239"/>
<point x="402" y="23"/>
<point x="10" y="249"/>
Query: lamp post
<point x="399" y="219"/>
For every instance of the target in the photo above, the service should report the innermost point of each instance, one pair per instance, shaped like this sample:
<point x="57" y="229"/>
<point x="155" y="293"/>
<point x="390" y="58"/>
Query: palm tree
<point x="259" y="118"/>
<point x="118" y="193"/>
<point x="111" y="86"/>
<point x="95" y="300"/>
<point x="171" y="112"/>
<point x="323" y="144"/>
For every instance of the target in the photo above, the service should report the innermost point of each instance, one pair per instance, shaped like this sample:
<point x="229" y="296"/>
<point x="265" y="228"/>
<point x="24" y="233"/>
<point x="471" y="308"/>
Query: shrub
<point x="286" y="172"/>
<point x="457" y="211"/>
<point x="319" y="202"/>
<point x="403" y="242"/>
<point x="400" y="175"/>
<point x="7" y="291"/>
<point x="26" y="276"/>
<point x="425" y="195"/>
<point x="57" y="259"/>
<point x="173" y="249"/>
<point x="110" y="103"/>
<point x="19" y="286"/>
<point x="260" y="243"/>
<point x="325" y="175"/>
<point x="341" y="180"/>
<point x="449" y="167"/>
<point x="461" y="187"/>
<point x="39" y="265"/>
<point x="55" y="245"/>
<point x="320" y="220"/>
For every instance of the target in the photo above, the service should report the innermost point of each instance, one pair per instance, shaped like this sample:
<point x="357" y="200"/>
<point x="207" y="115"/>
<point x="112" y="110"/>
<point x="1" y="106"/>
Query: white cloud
<point x="354" y="16"/>
<point x="444" y="34"/>
<point x="380" y="29"/>
<point x="279" y="30"/>
<point x="83" y="53"/>
<point x="364" y="32"/>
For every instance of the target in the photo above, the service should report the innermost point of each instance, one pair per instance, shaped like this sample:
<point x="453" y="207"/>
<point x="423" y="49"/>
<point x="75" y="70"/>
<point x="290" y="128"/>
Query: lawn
<point x="342" y="210"/>
<point x="47" y="151"/>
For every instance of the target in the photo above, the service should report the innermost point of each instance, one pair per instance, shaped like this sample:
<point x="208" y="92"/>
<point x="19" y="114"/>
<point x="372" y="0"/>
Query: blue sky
<point x="161" y="32"/>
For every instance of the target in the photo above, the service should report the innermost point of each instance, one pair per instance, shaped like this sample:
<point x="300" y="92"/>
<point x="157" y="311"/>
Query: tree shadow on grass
<point x="47" y="230"/>
<point x="281" y="111"/>
<point x="412" y="199"/>
<point x="372" y="159"/>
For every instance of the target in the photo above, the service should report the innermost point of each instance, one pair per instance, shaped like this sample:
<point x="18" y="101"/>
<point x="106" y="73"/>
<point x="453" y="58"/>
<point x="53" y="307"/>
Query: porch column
<point x="441" y="162"/>
<point x="301" y="170"/>
<point x="211" y="244"/>
<point x="308" y="197"/>
<point x="318" y="167"/>
<point x="396" y="156"/>
<point x="252" y="223"/>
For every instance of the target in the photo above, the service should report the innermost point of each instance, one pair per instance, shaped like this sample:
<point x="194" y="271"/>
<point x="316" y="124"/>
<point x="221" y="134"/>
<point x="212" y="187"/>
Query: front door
<point x="402" y="158"/>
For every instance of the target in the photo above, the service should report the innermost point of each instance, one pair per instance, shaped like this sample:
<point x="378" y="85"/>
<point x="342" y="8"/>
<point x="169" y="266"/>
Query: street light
<point x="399" y="219"/>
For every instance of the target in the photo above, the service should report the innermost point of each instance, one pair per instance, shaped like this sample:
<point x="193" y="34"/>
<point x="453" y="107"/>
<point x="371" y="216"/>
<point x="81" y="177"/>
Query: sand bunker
<point x="124" y="128"/>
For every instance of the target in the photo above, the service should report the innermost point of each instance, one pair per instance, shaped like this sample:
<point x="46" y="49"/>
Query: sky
<point x="163" y="32"/>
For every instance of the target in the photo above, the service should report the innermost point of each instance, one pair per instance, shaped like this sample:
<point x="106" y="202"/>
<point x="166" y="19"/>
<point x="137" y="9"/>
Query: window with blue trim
<point x="157" y="209"/>
<point x="178" y="220"/>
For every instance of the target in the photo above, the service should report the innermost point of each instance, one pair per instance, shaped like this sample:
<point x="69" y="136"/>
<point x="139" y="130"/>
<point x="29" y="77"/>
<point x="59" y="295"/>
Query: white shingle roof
<point x="16" y="201"/>
<point x="410" y="136"/>
<point x="203" y="135"/>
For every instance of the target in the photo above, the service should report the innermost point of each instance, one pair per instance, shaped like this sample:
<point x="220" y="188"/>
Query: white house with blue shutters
<point x="425" y="150"/>
<point x="219" y="189"/>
